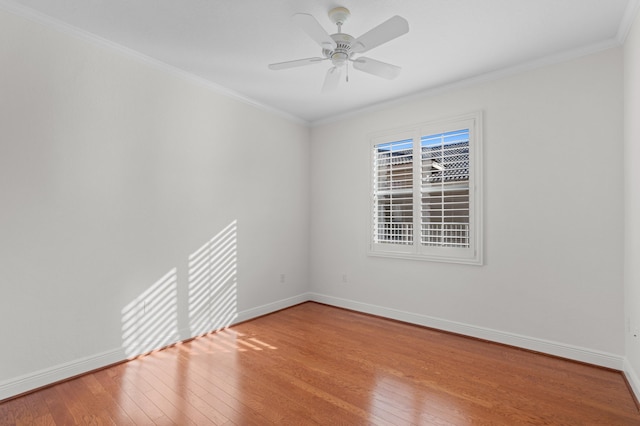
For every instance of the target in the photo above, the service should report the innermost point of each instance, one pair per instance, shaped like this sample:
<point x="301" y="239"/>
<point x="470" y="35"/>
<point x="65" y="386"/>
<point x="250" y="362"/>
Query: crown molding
<point x="75" y="32"/>
<point x="631" y="11"/>
<point x="628" y="18"/>
<point x="478" y="79"/>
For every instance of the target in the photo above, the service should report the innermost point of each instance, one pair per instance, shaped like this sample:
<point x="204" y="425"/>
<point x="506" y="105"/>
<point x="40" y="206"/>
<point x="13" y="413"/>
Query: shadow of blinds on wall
<point x="213" y="297"/>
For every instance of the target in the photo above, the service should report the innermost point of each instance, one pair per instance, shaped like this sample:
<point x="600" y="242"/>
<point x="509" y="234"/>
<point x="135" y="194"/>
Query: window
<point x="426" y="191"/>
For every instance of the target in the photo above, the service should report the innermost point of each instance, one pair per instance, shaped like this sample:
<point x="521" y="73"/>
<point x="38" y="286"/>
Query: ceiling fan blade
<point x="296" y="63"/>
<point x="387" y="31"/>
<point x="312" y="27"/>
<point x="331" y="80"/>
<point x="381" y="69"/>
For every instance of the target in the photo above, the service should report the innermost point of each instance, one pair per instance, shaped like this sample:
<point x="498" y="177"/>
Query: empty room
<point x="214" y="212"/>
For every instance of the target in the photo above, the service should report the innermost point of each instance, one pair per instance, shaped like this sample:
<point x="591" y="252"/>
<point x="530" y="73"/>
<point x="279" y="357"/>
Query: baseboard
<point x="271" y="307"/>
<point x="44" y="377"/>
<point x="632" y="378"/>
<point x="575" y="353"/>
<point x="28" y="382"/>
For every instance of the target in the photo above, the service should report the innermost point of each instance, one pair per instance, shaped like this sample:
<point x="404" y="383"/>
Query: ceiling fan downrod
<point x="342" y="52"/>
<point x="339" y="16"/>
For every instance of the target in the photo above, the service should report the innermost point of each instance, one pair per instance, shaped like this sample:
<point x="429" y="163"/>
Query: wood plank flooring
<point x="317" y="365"/>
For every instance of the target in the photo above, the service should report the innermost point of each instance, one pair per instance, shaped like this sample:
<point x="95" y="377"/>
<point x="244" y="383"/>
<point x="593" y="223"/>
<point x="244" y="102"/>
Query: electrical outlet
<point x="344" y="278"/>
<point x="282" y="278"/>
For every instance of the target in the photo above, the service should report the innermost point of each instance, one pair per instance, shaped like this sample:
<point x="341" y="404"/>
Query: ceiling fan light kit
<point x="340" y="48"/>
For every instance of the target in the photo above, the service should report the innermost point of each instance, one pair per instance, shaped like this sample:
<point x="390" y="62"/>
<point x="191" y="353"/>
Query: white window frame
<point x="415" y="249"/>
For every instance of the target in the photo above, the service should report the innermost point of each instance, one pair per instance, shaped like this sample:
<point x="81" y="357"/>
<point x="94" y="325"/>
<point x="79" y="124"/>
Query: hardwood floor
<point x="314" y="364"/>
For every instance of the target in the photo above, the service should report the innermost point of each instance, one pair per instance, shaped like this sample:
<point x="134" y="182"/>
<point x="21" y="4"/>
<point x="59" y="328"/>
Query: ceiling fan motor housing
<point x="342" y="51"/>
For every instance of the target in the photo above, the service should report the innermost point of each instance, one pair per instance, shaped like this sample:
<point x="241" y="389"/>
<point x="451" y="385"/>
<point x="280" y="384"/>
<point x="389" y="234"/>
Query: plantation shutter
<point x="444" y="191"/>
<point x="426" y="191"/>
<point x="393" y="192"/>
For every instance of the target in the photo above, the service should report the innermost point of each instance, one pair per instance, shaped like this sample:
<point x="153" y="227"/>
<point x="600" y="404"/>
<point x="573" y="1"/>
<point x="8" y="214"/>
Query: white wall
<point x="113" y="172"/>
<point x="632" y="202"/>
<point x="118" y="179"/>
<point x="553" y="215"/>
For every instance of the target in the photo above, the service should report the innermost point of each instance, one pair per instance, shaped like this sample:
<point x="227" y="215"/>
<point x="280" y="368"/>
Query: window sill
<point x="476" y="261"/>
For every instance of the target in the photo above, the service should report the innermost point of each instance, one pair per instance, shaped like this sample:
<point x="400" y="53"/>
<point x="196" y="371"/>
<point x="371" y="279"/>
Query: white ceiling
<point x="231" y="42"/>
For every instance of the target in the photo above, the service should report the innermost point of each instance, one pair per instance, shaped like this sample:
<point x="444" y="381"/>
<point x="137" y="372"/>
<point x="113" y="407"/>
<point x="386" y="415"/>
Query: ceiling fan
<point x="341" y="48"/>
